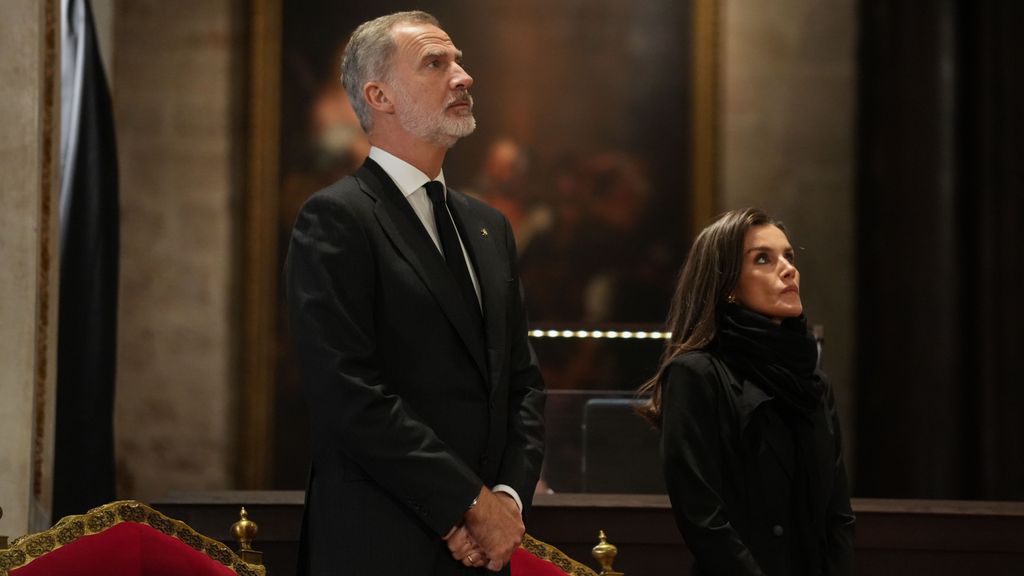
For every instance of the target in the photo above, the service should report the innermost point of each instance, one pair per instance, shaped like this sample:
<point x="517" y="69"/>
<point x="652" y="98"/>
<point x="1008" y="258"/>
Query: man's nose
<point x="461" y="80"/>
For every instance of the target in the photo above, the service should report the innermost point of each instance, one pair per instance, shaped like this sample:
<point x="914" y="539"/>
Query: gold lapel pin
<point x="484" y="232"/>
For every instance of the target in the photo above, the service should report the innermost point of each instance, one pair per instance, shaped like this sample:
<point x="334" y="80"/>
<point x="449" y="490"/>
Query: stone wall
<point x="176" y="70"/>
<point x="30" y="116"/>
<point x="787" y="144"/>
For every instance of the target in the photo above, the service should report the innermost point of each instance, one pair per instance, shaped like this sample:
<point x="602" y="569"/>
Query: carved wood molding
<point x="46" y="279"/>
<point x="260" y="275"/>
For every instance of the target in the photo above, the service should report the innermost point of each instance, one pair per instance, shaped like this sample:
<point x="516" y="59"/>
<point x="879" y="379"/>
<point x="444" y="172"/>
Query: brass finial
<point x="605" y="554"/>
<point x="245" y="531"/>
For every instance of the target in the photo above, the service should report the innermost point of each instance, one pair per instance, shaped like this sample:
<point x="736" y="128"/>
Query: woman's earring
<point x="731" y="299"/>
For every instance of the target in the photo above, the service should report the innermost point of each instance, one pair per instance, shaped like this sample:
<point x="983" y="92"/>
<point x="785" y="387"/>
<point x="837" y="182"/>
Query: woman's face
<point x="769" y="281"/>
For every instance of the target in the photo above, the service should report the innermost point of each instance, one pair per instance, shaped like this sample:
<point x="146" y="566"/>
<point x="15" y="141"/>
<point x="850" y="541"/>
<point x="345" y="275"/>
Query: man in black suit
<point x="409" y="326"/>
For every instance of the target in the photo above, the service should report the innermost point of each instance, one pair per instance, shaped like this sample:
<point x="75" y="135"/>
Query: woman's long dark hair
<point x="710" y="275"/>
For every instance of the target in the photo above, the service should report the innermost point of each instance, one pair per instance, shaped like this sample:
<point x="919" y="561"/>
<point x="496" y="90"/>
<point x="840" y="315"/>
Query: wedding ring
<point x="471" y="561"/>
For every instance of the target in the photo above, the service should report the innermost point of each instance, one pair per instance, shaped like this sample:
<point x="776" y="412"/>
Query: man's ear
<point x="379" y="97"/>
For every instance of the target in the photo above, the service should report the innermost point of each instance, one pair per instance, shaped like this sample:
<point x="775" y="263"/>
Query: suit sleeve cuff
<point x="511" y="492"/>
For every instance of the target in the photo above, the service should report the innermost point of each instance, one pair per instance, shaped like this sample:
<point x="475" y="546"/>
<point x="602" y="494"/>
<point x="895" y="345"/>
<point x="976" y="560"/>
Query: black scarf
<point x="781" y="360"/>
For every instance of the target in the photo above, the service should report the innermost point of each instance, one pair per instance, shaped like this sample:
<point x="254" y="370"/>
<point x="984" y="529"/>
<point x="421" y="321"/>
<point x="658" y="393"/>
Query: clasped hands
<point x="491" y="531"/>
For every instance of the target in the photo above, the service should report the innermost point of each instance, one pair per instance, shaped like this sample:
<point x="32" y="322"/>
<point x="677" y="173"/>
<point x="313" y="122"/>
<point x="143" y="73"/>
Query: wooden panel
<point x="897" y="537"/>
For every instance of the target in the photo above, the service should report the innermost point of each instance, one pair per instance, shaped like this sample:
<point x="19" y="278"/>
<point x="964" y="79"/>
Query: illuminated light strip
<point x="602" y="334"/>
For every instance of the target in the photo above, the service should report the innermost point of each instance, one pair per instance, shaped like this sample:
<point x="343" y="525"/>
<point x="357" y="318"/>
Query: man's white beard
<point x="437" y="128"/>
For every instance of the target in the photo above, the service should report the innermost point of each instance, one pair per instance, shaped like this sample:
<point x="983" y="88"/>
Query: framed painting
<point x="596" y="138"/>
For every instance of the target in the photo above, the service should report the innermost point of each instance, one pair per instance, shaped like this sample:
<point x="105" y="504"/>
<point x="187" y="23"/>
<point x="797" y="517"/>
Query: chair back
<point x="127" y="538"/>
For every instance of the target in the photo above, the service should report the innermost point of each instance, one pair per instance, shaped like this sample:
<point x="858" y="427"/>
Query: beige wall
<point x="788" y="99"/>
<point x="30" y="119"/>
<point x="176" y="79"/>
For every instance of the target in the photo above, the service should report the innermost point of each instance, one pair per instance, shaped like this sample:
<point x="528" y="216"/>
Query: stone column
<point x="788" y="103"/>
<point x="177" y="70"/>
<point x="30" y="116"/>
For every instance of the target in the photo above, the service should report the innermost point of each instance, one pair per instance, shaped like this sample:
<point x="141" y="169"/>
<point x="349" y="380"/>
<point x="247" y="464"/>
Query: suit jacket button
<point x="777" y="530"/>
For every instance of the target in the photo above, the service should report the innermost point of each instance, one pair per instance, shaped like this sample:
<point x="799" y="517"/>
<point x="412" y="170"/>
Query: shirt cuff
<point x="511" y="492"/>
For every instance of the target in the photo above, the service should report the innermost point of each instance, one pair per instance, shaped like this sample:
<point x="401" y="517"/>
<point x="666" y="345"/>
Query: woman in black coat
<point x="751" y="443"/>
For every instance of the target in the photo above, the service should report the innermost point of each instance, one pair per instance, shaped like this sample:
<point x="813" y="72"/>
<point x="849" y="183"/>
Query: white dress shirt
<point x="410" y="182"/>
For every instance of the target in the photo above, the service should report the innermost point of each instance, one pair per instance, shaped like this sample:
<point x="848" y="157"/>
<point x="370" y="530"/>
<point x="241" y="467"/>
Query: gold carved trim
<point x="71" y="528"/>
<point x="705" y="75"/>
<point x="547" y="552"/>
<point x="48" y="139"/>
<point x="260" y="273"/>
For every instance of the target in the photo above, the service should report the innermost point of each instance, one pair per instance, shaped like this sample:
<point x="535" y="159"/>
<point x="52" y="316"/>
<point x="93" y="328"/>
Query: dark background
<point x="940" y="196"/>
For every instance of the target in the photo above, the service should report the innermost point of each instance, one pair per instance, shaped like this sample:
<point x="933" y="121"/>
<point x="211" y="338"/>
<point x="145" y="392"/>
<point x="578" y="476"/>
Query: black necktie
<point x="452" y="248"/>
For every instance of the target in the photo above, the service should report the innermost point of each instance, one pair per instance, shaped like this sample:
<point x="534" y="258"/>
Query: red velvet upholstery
<point x="127" y="549"/>
<point x="536" y="558"/>
<point x="125" y="538"/>
<point x="526" y="564"/>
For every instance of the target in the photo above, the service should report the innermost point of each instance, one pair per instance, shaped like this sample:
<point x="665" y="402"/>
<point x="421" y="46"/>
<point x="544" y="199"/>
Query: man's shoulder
<point x="349" y="188"/>
<point x="351" y="192"/>
<point x="346" y="203"/>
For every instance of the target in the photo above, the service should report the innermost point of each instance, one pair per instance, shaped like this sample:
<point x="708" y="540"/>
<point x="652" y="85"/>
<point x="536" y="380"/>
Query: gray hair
<point x="368" y="55"/>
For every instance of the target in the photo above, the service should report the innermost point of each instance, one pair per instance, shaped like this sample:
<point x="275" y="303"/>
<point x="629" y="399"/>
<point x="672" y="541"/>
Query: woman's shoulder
<point x="695" y="363"/>
<point x="695" y="359"/>
<point x="694" y="381"/>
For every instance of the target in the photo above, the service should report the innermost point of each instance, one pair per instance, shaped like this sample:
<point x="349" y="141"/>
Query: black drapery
<point x="939" y="390"/>
<point x="86" y="348"/>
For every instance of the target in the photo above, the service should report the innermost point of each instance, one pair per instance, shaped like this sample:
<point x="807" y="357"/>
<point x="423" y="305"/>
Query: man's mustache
<point x="461" y="98"/>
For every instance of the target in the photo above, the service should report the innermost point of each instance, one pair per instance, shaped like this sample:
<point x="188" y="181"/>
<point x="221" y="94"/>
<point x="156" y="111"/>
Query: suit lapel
<point x="479" y="243"/>
<point x="410" y="238"/>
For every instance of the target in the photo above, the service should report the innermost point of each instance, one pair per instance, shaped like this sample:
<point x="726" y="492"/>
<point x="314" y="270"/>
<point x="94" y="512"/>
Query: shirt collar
<point x="407" y="177"/>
